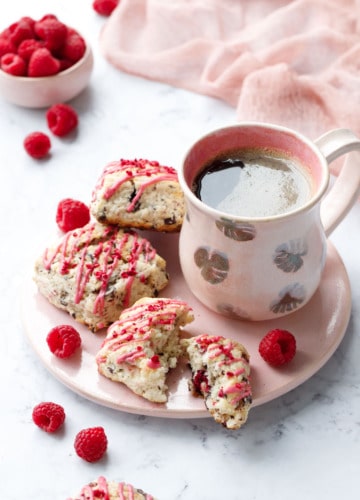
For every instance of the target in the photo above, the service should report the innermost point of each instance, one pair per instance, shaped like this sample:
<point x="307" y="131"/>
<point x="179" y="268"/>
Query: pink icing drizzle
<point x="131" y="169"/>
<point x="130" y="490"/>
<point x="90" y="493"/>
<point x="134" y="326"/>
<point x="105" y="259"/>
<point x="240" y="387"/>
<point x="101" y="491"/>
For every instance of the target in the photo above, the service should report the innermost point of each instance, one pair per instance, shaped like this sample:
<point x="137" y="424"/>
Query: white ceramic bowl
<point x="42" y="92"/>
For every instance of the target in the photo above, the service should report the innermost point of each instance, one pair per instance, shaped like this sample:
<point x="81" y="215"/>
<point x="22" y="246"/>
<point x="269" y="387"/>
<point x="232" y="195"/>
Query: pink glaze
<point x="135" y="325"/>
<point x="101" y="490"/>
<point x="239" y="388"/>
<point x="125" y="491"/>
<point x="131" y="169"/>
<point x="130" y="357"/>
<point x="130" y="490"/>
<point x="106" y="258"/>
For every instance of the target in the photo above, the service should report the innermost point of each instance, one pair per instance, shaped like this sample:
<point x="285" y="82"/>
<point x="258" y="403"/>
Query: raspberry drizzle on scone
<point x="102" y="489"/>
<point x="220" y="373"/>
<point x="143" y="345"/>
<point x="96" y="271"/>
<point x="139" y="193"/>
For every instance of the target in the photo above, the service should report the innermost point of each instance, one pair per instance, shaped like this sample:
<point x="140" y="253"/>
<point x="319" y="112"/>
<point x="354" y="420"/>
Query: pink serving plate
<point x="319" y="328"/>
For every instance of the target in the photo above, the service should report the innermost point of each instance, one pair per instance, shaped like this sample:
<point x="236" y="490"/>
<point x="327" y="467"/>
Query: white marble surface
<point x="305" y="444"/>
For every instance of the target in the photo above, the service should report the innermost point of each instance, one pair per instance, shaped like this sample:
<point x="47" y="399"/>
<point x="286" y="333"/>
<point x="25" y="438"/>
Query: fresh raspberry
<point x="201" y="382"/>
<point x="91" y="444"/>
<point x="61" y="119"/>
<point x="48" y="416"/>
<point x="71" y="214"/>
<point x="52" y="31"/>
<point x="43" y="63"/>
<point x="105" y="7"/>
<point x="48" y="16"/>
<point x="7" y="47"/>
<point x="278" y="347"/>
<point x="13" y="64"/>
<point x="37" y="144"/>
<point x="65" y="64"/>
<point x="22" y="30"/>
<point x="63" y="340"/>
<point x="27" y="47"/>
<point x="74" y="46"/>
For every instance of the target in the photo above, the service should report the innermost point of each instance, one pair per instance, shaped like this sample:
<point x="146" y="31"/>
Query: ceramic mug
<point x="260" y="268"/>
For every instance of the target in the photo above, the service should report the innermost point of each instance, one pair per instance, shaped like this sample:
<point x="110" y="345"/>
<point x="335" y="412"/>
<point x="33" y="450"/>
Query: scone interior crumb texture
<point x="102" y="489"/>
<point x="141" y="194"/>
<point x="143" y="345"/>
<point x="220" y="373"/>
<point x="96" y="271"/>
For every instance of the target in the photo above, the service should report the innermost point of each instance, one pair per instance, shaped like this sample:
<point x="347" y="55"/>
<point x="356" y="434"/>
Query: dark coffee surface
<point x="253" y="183"/>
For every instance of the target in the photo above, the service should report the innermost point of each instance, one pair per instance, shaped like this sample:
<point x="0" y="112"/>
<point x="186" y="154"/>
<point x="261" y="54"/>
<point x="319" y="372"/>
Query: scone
<point x="143" y="345"/>
<point x="140" y="194"/>
<point x="102" y="489"/>
<point x="220" y="373"/>
<point x="96" y="271"/>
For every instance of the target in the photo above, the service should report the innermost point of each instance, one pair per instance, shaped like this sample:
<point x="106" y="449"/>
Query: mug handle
<point x="346" y="188"/>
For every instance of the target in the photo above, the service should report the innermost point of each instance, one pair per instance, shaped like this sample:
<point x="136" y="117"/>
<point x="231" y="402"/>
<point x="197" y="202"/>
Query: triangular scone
<point x="220" y="373"/>
<point x="102" y="489"/>
<point x="140" y="194"/>
<point x="96" y="271"/>
<point x="143" y="345"/>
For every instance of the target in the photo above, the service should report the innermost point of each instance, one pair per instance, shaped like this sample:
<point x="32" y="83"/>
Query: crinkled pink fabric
<point x="295" y="63"/>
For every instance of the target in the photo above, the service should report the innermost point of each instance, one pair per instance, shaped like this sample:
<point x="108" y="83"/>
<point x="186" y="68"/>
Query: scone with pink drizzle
<point x="96" y="271"/>
<point x="143" y="345"/>
<point x="139" y="193"/>
<point x="220" y="374"/>
<point x="102" y="489"/>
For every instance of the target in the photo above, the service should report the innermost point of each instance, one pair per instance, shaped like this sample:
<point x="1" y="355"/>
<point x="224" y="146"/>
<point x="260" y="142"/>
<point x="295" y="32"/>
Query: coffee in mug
<point x="253" y="182"/>
<point x="253" y="243"/>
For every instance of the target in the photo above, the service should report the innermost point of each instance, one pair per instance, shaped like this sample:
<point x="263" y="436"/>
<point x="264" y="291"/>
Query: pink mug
<point x="264" y="267"/>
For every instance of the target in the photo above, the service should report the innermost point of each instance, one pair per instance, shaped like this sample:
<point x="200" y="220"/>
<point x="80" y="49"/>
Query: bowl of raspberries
<point x="42" y="62"/>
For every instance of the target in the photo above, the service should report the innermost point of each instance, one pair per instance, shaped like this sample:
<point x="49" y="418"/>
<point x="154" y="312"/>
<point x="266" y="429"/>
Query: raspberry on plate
<point x="37" y="144"/>
<point x="63" y="340"/>
<point x="91" y="444"/>
<point x="71" y="214"/>
<point x="278" y="347"/>
<point x="105" y="7"/>
<point x="48" y="416"/>
<point x="61" y="119"/>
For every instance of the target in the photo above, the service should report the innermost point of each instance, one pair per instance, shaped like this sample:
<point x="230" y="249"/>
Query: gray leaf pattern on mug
<point x="289" y="256"/>
<point x="290" y="299"/>
<point x="232" y="311"/>
<point x="214" y="265"/>
<point x="238" y="231"/>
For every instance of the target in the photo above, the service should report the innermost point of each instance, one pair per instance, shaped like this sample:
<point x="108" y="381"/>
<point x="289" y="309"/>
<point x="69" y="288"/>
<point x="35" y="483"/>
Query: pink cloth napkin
<point x="294" y="63"/>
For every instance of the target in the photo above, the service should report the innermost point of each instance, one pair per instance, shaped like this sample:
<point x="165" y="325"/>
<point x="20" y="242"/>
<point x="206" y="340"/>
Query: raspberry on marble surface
<point x="37" y="145"/>
<point x="48" y="416"/>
